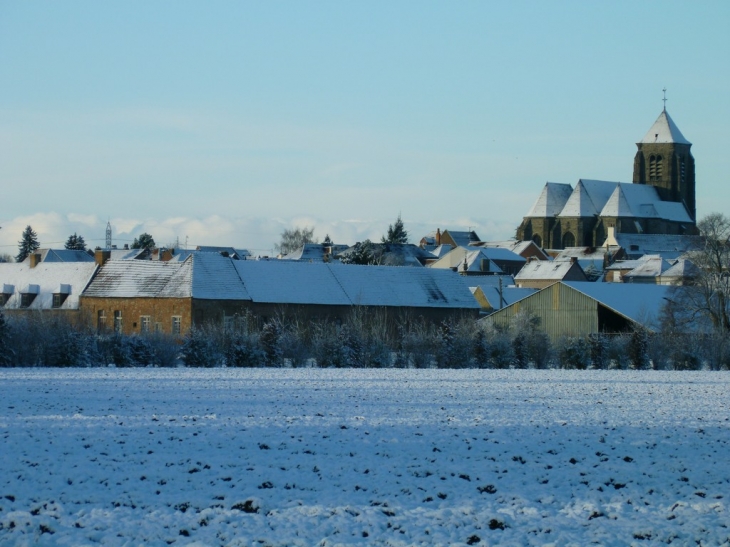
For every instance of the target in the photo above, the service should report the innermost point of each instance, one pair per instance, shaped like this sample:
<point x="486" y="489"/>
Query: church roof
<point x="642" y="201"/>
<point x="588" y="198"/>
<point x="664" y="130"/>
<point x="551" y="201"/>
<point x="617" y="205"/>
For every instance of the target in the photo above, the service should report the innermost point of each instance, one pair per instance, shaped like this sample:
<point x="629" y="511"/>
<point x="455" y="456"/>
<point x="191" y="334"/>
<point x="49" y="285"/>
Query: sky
<point x="226" y="122"/>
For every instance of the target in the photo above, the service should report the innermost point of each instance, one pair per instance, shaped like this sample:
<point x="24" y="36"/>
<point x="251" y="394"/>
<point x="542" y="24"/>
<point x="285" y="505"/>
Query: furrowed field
<point x="358" y="457"/>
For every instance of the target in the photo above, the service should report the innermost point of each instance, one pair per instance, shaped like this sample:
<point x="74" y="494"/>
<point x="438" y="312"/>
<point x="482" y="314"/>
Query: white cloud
<point x="256" y="234"/>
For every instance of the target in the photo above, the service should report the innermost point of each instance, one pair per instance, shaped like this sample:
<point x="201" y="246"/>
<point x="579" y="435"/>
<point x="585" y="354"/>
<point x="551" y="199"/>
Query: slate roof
<point x="289" y="282"/>
<point x="551" y="201"/>
<point x="587" y="199"/>
<point x="461" y="238"/>
<point x="664" y="130"/>
<point x="48" y="276"/>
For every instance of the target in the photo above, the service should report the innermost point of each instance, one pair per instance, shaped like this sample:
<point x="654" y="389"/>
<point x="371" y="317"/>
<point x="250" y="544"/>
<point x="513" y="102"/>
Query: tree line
<point x="364" y="340"/>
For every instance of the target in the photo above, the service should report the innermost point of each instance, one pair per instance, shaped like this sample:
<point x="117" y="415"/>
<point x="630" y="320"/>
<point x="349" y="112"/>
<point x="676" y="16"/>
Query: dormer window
<point x="28" y="295"/>
<point x="7" y="293"/>
<point x="60" y="295"/>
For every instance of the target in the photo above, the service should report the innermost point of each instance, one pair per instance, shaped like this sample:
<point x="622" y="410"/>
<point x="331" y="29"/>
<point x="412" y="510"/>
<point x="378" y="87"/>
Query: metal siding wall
<point x="562" y="311"/>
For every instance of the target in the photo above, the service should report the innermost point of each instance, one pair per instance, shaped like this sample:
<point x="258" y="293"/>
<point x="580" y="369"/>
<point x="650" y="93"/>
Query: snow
<point x="360" y="457"/>
<point x="43" y="280"/>
<point x="664" y="130"/>
<point x="551" y="201"/>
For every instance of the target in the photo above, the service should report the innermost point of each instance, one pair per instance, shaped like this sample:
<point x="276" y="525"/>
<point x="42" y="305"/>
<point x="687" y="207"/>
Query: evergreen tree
<point x="362" y="253"/>
<point x="145" y="241"/>
<point x="28" y="244"/>
<point x="396" y="233"/>
<point x="75" y="243"/>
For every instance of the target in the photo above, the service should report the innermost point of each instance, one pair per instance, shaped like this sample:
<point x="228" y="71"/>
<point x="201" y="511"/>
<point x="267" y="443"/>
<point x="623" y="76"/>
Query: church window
<point x="655" y="167"/>
<point x="682" y="170"/>
<point x="537" y="239"/>
<point x="568" y="240"/>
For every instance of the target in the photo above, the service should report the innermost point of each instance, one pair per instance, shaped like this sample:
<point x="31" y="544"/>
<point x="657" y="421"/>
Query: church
<point x="660" y="200"/>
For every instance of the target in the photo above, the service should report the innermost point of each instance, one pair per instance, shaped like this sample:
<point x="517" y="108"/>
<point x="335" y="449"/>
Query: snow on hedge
<point x="359" y="457"/>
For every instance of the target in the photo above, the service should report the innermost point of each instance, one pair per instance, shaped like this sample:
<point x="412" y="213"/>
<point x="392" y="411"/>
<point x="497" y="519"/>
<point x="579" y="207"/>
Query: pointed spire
<point x="664" y="130"/>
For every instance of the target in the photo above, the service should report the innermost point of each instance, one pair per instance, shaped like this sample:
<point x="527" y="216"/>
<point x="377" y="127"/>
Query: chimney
<point x="126" y="246"/>
<point x="101" y="256"/>
<point x="438" y="236"/>
<point x="34" y="259"/>
<point x="573" y="259"/>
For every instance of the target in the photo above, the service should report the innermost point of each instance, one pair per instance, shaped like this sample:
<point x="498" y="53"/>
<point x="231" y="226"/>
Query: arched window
<point x="568" y="240"/>
<point x="655" y="167"/>
<point x="538" y="240"/>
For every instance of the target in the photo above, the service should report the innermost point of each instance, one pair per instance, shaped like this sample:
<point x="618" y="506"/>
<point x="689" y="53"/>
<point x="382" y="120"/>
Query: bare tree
<point x="707" y="296"/>
<point x="291" y="240"/>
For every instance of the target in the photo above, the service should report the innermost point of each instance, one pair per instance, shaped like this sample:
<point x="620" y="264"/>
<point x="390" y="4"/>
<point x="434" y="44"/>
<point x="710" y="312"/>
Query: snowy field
<point x="360" y="457"/>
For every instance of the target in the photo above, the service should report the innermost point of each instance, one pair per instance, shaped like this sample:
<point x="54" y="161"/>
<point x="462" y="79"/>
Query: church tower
<point x="664" y="161"/>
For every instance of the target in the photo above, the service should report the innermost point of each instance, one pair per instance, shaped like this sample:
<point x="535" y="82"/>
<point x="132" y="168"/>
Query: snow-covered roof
<point x="473" y="257"/>
<point x="126" y="254"/>
<point x="207" y="276"/>
<point x="551" y="201"/>
<point x="584" y="253"/>
<point x="588" y="198"/>
<point x="308" y="251"/>
<point x="682" y="268"/>
<point x="241" y="254"/>
<point x="638" y="302"/>
<point x="514" y="245"/>
<point x="289" y="282"/>
<point x="667" y="245"/>
<point x="544" y="269"/>
<point x="642" y="201"/>
<point x="652" y="266"/>
<point x="461" y="238"/>
<point x="64" y="255"/>
<point x="664" y="130"/>
<point x="48" y="277"/>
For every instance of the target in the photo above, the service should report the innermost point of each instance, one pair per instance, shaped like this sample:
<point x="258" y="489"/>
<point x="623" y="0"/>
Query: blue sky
<point x="226" y="122"/>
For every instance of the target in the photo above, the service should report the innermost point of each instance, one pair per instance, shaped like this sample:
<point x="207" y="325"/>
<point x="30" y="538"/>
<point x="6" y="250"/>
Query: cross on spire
<point x="665" y="99"/>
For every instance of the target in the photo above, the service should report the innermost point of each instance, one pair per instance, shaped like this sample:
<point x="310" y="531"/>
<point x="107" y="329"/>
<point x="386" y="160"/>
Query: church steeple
<point x="664" y="160"/>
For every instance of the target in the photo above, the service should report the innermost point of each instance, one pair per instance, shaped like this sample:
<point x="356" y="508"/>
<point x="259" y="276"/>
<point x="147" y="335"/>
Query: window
<point x="118" y="321"/>
<point x="26" y="299"/>
<point x="158" y="326"/>
<point x="4" y="299"/>
<point x="568" y="240"/>
<point x="537" y="239"/>
<point x="100" y="321"/>
<point x="176" y="320"/>
<point x="229" y="323"/>
<point x="682" y="170"/>
<point x="59" y="299"/>
<point x="144" y="323"/>
<point x="655" y="167"/>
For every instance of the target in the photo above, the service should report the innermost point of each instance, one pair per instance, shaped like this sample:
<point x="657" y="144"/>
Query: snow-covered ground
<point x="358" y="457"/>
